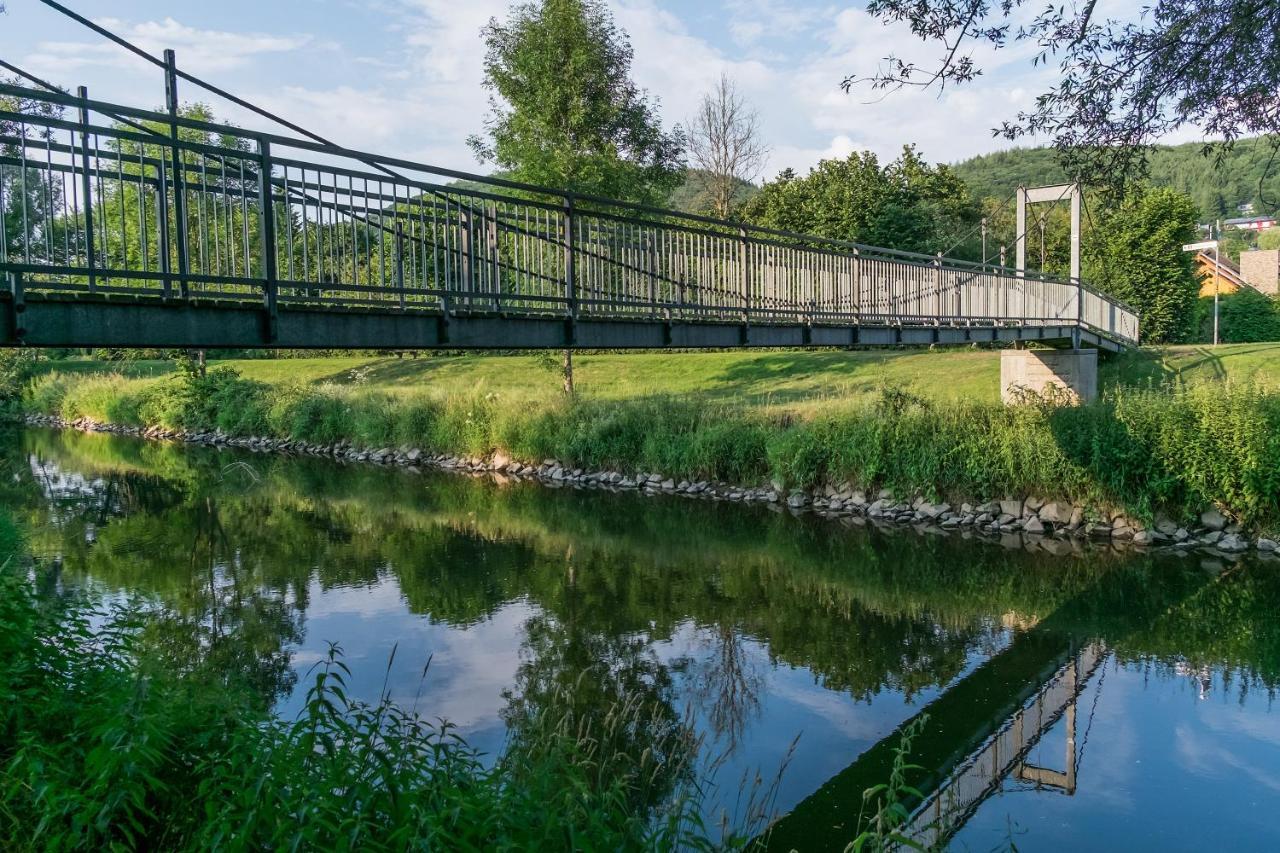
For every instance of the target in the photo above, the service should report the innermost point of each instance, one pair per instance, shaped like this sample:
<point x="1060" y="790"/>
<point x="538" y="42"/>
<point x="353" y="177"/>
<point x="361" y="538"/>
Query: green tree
<point x="29" y="204"/>
<point x="907" y="204"/>
<point x="565" y="112"/>
<point x="1269" y="239"/>
<point x="1137" y="256"/>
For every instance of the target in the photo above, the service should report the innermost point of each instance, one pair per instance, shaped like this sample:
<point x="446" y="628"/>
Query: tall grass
<point x="104" y="746"/>
<point x="1143" y="450"/>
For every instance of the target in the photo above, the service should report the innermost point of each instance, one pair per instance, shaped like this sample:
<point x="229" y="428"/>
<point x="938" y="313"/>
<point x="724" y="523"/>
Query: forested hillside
<point x="1217" y="187"/>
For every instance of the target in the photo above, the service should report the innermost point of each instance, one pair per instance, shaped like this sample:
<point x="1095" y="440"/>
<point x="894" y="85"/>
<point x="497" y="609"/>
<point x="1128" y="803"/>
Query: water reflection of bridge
<point x="1005" y="754"/>
<point x="979" y="733"/>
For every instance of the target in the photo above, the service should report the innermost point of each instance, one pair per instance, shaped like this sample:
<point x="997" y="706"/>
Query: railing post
<point x="179" y="181"/>
<point x="1079" y="314"/>
<point x="937" y="277"/>
<point x="570" y="267"/>
<point x="495" y="266"/>
<point x="267" y="223"/>
<point x="90" y="255"/>
<point x="651" y="264"/>
<point x="400" y="261"/>
<point x="466" y="249"/>
<point x="744" y="274"/>
<point x="855" y="302"/>
<point x="17" y="289"/>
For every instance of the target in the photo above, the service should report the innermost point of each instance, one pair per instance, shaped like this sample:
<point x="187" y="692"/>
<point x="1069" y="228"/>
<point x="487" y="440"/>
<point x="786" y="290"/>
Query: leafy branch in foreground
<point x="1124" y="81"/>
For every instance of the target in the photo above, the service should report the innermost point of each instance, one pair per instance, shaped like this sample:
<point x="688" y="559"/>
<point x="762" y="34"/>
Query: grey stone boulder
<point x="1056" y="512"/>
<point x="1213" y="519"/>
<point x="1013" y="508"/>
<point x="1034" y="525"/>
<point x="933" y="511"/>
<point x="1267" y="545"/>
<point x="1233" y="543"/>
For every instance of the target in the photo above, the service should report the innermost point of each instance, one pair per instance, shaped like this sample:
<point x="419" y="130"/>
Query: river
<point x="1085" y="701"/>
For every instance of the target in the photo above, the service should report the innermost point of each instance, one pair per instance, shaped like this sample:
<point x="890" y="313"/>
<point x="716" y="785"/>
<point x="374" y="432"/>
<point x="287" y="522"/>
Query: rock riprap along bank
<point x="1057" y="527"/>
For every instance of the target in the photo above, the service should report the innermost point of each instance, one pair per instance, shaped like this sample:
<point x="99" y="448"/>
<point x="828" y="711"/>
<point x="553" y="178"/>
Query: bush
<point x="1244" y="317"/>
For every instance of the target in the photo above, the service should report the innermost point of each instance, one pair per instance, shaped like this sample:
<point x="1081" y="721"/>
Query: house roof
<point x="1229" y="271"/>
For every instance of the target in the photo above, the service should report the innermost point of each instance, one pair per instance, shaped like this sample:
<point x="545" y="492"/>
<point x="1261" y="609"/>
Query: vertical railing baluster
<point x="267" y="222"/>
<point x="495" y="285"/>
<point x="179" y="191"/>
<point x="90" y="257"/>
<point x="570" y="264"/>
<point x="400" y="261"/>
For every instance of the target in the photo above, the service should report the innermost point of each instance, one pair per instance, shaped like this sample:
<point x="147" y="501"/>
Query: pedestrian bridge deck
<point x="125" y="227"/>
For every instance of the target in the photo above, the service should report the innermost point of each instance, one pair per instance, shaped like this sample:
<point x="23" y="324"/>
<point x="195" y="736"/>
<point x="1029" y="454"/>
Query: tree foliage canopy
<point x="907" y="204"/>
<point x="564" y="110"/>
<point x="1124" y="82"/>
<point x="1136" y="255"/>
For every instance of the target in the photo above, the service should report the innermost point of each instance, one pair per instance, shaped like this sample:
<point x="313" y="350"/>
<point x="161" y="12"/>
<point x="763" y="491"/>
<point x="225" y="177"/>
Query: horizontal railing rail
<point x="179" y="208"/>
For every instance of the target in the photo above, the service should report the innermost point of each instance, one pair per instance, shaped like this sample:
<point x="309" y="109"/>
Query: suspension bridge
<point x="127" y="227"/>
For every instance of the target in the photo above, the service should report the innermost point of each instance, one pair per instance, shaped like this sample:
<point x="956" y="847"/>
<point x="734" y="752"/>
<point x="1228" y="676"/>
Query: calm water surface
<point x="1079" y="702"/>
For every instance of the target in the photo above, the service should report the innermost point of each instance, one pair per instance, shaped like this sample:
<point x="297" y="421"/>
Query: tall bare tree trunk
<point x="568" y="372"/>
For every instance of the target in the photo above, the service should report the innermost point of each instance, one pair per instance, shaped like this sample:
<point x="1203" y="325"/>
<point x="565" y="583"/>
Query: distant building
<point x="1229" y="279"/>
<point x="1261" y="269"/>
<point x="1245" y="208"/>
<point x="1251" y="223"/>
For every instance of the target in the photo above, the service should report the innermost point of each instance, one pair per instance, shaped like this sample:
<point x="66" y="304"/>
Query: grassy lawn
<point x="798" y="380"/>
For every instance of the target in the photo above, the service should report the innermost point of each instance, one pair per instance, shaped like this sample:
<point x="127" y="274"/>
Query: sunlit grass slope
<point x="796" y="380"/>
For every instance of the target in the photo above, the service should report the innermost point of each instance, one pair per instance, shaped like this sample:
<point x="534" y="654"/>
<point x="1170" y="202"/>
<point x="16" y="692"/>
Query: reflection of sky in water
<point x="468" y="669"/>
<point x="796" y="724"/>
<point x="1162" y="769"/>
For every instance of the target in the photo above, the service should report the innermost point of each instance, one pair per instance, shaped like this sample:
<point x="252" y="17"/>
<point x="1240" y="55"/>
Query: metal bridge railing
<point x="122" y="200"/>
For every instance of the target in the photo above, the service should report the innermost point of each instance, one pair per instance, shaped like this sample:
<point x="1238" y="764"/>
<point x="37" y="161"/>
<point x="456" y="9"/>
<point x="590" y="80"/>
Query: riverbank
<point x="1188" y="468"/>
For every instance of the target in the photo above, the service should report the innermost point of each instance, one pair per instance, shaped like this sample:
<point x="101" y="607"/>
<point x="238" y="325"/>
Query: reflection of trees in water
<point x="227" y="622"/>
<point x="605" y="689"/>
<point x="728" y="684"/>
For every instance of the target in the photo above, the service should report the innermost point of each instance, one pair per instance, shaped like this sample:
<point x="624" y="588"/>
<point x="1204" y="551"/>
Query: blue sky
<point x="402" y="77"/>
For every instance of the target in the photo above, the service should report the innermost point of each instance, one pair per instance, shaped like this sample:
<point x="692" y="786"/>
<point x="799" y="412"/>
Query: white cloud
<point x="199" y="51"/>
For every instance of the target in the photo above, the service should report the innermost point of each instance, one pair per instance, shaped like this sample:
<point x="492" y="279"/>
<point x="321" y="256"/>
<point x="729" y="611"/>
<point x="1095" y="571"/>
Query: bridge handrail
<point x="370" y="158"/>
<point x="708" y="266"/>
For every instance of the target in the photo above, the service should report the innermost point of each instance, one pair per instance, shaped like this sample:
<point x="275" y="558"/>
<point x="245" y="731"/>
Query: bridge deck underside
<point x="123" y="322"/>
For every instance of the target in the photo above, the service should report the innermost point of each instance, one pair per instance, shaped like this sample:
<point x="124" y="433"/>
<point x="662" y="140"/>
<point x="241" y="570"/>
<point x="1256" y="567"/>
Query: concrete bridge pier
<point x="1048" y="372"/>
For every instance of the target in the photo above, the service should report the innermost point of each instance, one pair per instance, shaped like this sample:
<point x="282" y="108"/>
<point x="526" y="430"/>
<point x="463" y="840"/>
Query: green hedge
<point x="1142" y="450"/>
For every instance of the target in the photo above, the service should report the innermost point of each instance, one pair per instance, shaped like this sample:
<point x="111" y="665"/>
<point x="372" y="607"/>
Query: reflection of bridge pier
<point x="1005" y="753"/>
<point x="971" y="714"/>
<point x="1030" y="684"/>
